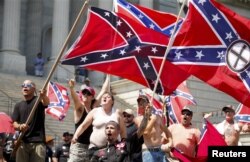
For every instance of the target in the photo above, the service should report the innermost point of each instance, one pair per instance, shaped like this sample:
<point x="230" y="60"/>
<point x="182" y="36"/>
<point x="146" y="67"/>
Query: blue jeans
<point x="153" y="156"/>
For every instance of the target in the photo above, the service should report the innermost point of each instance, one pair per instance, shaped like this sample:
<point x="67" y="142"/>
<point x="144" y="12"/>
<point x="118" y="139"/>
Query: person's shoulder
<point x="19" y="103"/>
<point x="174" y="125"/>
<point x="118" y="111"/>
<point x="138" y="118"/>
<point x="95" y="111"/>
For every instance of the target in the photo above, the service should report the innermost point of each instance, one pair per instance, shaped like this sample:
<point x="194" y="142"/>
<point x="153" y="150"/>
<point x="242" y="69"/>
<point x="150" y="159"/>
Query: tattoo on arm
<point x="142" y="126"/>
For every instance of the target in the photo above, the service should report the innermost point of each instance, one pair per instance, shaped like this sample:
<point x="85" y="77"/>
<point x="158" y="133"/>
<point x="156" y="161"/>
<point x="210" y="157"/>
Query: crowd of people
<point x="104" y="133"/>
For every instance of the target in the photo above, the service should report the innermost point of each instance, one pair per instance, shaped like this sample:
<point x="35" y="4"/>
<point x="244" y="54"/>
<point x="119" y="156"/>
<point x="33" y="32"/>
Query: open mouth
<point x="25" y="90"/>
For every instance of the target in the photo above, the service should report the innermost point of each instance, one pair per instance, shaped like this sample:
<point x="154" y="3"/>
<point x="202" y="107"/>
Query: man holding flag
<point x="32" y="148"/>
<point x="151" y="127"/>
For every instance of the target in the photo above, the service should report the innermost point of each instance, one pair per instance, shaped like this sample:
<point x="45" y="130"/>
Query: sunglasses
<point x="127" y="116"/>
<point x="187" y="113"/>
<point x="229" y="112"/>
<point x="28" y="85"/>
<point x="84" y="92"/>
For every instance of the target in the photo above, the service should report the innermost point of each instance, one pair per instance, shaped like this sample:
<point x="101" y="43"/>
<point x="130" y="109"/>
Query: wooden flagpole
<point x="170" y="44"/>
<point x="31" y="115"/>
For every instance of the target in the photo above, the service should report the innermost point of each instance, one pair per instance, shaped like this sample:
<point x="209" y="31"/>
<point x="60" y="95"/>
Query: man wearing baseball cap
<point x="185" y="136"/>
<point x="140" y="100"/>
<point x="128" y="116"/>
<point x="229" y="128"/>
<point x="131" y="128"/>
<point x="61" y="153"/>
<point x="146" y="122"/>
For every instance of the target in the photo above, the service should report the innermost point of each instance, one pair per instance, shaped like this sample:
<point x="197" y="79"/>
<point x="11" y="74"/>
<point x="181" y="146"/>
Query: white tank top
<point x="100" y="118"/>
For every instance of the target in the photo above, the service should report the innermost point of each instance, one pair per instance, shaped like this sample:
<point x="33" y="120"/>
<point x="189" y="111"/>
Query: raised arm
<point x="85" y="124"/>
<point x="75" y="97"/>
<point x="44" y="98"/>
<point x="105" y="88"/>
<point x="143" y="124"/>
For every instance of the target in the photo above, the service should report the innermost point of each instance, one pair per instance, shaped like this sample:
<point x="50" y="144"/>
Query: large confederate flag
<point x="117" y="45"/>
<point x="159" y="21"/>
<point x="213" y="45"/>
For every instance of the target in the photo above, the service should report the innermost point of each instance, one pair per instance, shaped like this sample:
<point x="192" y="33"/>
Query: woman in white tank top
<point x="98" y="117"/>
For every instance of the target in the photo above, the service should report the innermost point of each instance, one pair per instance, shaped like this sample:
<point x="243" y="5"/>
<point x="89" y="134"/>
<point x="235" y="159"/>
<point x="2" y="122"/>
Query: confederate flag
<point x="175" y="102"/>
<point x="159" y="21"/>
<point x="209" y="137"/>
<point x="59" y="101"/>
<point x="242" y="114"/>
<point x="117" y="45"/>
<point x="213" y="45"/>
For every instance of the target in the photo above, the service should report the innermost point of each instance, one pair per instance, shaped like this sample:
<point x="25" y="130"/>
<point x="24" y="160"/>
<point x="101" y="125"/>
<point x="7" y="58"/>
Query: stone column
<point x="11" y="61"/>
<point x="60" y="30"/>
<point x="34" y="34"/>
<point x="147" y="3"/>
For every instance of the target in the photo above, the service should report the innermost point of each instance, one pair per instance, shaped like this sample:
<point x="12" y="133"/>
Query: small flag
<point x="59" y="101"/>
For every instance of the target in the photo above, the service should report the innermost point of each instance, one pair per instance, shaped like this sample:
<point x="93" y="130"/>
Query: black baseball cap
<point x="65" y="134"/>
<point x="228" y="108"/>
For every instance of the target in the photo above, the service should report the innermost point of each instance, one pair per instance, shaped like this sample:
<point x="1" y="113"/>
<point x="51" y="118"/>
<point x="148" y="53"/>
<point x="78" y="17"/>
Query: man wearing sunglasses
<point x="135" y="155"/>
<point x="185" y="136"/>
<point x="83" y="103"/>
<point x="32" y="148"/>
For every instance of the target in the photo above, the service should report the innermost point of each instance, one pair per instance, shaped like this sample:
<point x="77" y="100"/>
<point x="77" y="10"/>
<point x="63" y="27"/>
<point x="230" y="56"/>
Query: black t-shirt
<point x="120" y="151"/>
<point x="85" y="136"/>
<point x="49" y="154"/>
<point x="62" y="152"/>
<point x="134" y="148"/>
<point x="36" y="131"/>
<point x="131" y="130"/>
<point x="135" y="143"/>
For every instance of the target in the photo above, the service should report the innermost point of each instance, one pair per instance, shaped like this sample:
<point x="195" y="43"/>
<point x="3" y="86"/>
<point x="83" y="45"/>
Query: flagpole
<point x="109" y="84"/>
<point x="170" y="44"/>
<point x="31" y="115"/>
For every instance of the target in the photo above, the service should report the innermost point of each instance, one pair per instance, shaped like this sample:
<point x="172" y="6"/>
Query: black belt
<point x="153" y="149"/>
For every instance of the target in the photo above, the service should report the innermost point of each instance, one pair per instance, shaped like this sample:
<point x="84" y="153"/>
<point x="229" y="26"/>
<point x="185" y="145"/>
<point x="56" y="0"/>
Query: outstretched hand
<point x="71" y="83"/>
<point x="207" y="115"/>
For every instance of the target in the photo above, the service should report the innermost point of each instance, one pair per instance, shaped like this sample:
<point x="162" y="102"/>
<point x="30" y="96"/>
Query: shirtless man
<point x="229" y="128"/>
<point x="151" y="127"/>
<point x="185" y="135"/>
